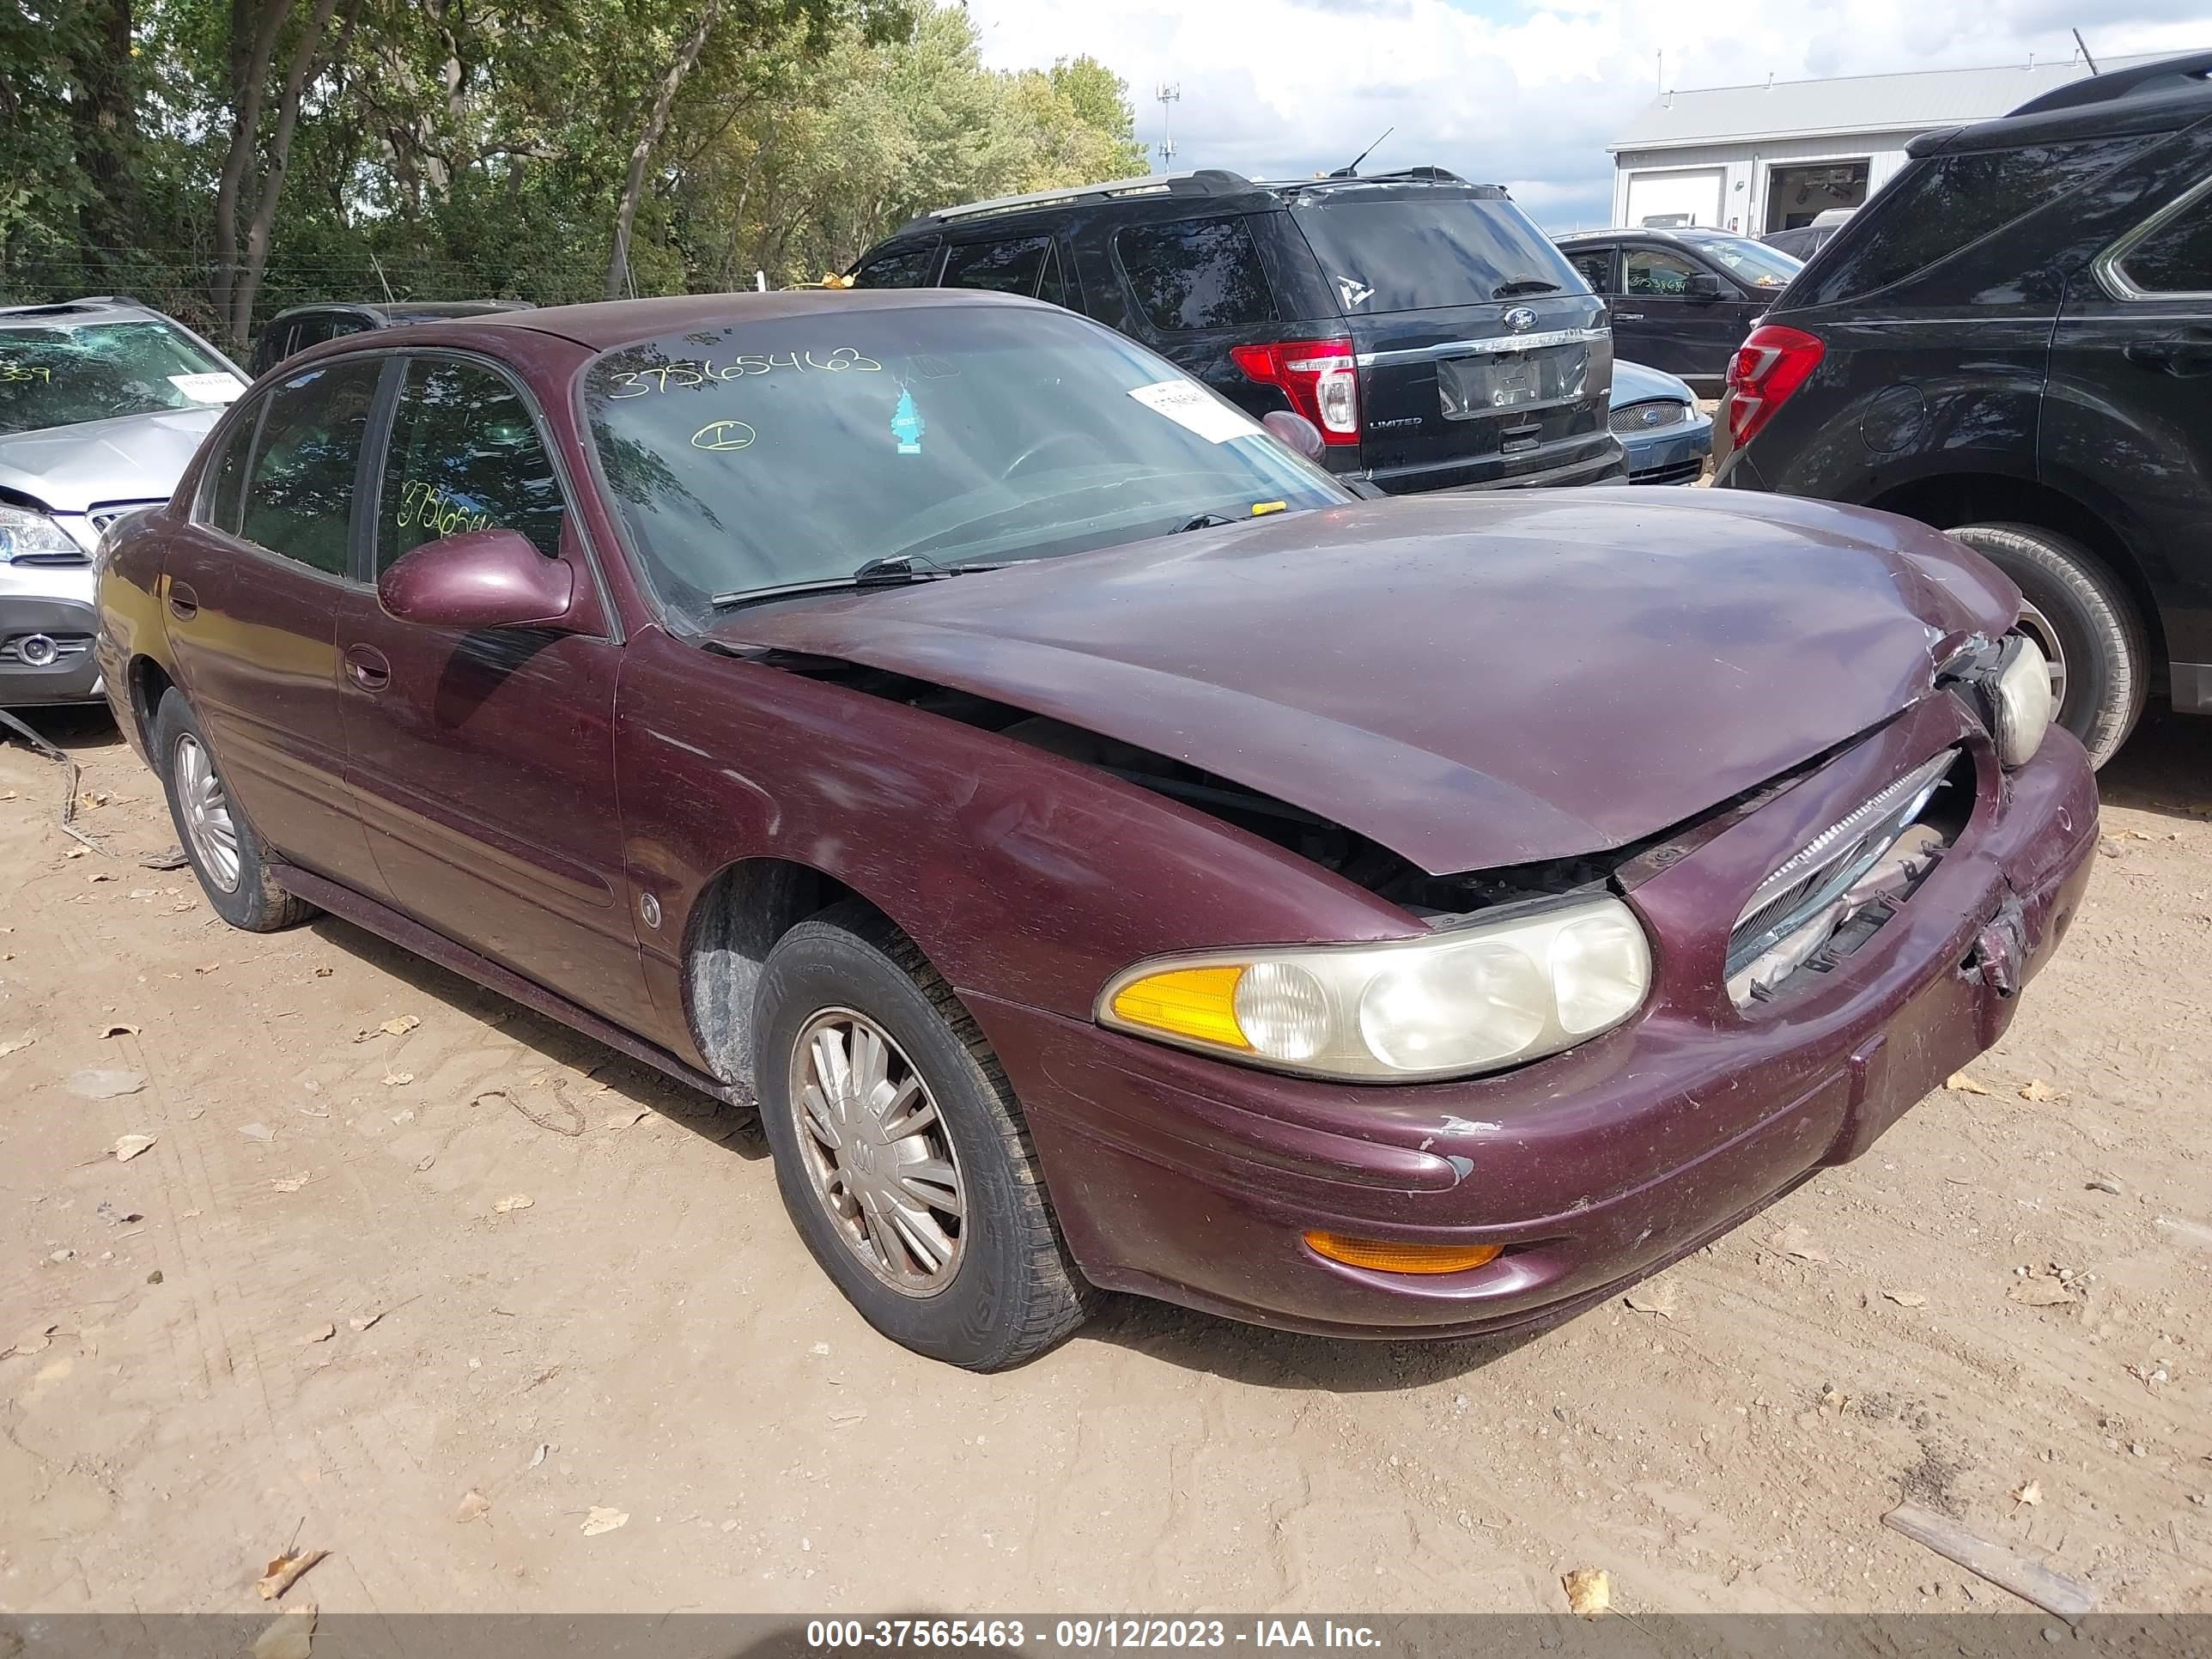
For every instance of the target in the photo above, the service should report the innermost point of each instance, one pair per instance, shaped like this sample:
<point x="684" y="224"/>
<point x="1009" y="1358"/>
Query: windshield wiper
<point x="1524" y="285"/>
<point x="1205" y="521"/>
<point x="895" y="571"/>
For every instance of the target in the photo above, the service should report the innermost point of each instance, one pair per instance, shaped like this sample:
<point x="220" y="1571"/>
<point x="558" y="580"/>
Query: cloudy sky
<point x="1525" y="95"/>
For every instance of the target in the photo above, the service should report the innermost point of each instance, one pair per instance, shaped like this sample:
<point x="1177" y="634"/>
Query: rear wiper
<point x="1524" y="285"/>
<point x="895" y="571"/>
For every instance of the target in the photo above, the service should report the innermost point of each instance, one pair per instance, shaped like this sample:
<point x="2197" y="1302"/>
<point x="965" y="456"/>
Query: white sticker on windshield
<point x="220" y="387"/>
<point x="1354" y="291"/>
<point x="1192" y="406"/>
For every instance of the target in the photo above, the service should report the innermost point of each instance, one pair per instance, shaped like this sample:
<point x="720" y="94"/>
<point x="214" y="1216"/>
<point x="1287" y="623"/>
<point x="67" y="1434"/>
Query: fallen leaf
<point x="1907" y="1298"/>
<point x="99" y="1084"/>
<point x="625" y="1119"/>
<point x="74" y="851"/>
<point x="290" y="1183"/>
<point x="102" y="876"/>
<point x="2039" y="1292"/>
<point x="1794" y="1240"/>
<point x="1589" y="1591"/>
<point x="323" y="972"/>
<point x="128" y="1146"/>
<point x="291" y="1636"/>
<point x="207" y="968"/>
<point x="362" y="1321"/>
<point x="473" y="1503"/>
<point x="37" y="1339"/>
<point x="260" y="1132"/>
<point x="396" y="1079"/>
<point x="322" y="1333"/>
<point x="7" y="1048"/>
<point x="119" y="1030"/>
<point x="2035" y="1089"/>
<point x="1654" y="1298"/>
<point x="399" y="1027"/>
<point x="169" y="859"/>
<point x="539" y="1456"/>
<point x="513" y="1201"/>
<point x="2030" y="1493"/>
<point x="603" y="1520"/>
<point x="1960" y="1083"/>
<point x="287" y="1570"/>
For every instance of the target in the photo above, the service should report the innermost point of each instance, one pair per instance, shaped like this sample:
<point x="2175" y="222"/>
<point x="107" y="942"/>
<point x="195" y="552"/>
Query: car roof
<point x="1665" y="233"/>
<point x="404" y="310"/>
<point x="603" y="324"/>
<point x="2161" y="96"/>
<point x="92" y="308"/>
<point x="1213" y="186"/>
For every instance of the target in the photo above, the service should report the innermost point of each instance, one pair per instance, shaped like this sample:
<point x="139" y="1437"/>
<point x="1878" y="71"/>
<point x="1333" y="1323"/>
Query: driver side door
<point x="483" y="759"/>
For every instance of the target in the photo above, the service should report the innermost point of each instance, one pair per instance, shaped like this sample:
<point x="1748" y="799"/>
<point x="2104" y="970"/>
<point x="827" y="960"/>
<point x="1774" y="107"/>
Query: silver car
<point x="102" y="402"/>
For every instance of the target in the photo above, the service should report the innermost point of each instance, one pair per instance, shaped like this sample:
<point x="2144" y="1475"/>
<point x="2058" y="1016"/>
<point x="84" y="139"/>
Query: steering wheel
<point x="1039" y="447"/>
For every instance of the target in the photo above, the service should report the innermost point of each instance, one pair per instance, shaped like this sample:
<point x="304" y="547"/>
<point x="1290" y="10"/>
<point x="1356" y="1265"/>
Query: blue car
<point x="1656" y="418"/>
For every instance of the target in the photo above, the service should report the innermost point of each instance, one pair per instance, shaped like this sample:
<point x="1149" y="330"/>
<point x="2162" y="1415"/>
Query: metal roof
<point x="1915" y="101"/>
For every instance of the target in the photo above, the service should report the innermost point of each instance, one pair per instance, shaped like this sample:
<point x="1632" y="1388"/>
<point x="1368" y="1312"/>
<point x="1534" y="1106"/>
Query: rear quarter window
<point x="1190" y="274"/>
<point x="1943" y="205"/>
<point x="907" y="268"/>
<point x="2174" y="256"/>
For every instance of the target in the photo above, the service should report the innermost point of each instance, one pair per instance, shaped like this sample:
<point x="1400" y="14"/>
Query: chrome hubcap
<point x="208" y="824"/>
<point x="876" y="1155"/>
<point x="2037" y="627"/>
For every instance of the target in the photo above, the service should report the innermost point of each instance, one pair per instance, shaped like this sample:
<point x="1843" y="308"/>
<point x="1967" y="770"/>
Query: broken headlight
<point x="1466" y="999"/>
<point x="2025" y="707"/>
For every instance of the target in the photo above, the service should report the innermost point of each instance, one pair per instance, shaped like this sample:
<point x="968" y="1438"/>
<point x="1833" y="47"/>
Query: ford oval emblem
<point x="1520" y="318"/>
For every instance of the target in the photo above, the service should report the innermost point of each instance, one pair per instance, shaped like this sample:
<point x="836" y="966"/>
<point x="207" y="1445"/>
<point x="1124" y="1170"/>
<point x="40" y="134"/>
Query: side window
<point x="1655" y="273"/>
<point x="1195" y="273"/>
<point x="1596" y="269"/>
<point x="226" y="482"/>
<point x="1007" y="267"/>
<point x="465" y="455"/>
<point x="908" y="268"/>
<point x="299" y="497"/>
<point x="1054" y="289"/>
<point x="313" y="329"/>
<point x="2176" y="257"/>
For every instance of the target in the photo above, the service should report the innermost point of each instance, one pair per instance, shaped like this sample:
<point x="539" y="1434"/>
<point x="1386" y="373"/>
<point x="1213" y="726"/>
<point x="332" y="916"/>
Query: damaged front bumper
<point x="1190" y="1180"/>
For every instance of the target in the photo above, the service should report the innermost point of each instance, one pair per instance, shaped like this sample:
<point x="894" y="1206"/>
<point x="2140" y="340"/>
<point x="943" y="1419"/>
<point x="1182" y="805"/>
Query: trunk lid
<point x="1473" y="682"/>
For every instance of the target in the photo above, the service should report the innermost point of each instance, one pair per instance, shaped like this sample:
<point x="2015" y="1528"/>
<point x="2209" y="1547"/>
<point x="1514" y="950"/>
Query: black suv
<point x="301" y="326"/>
<point x="1681" y="300"/>
<point x="1422" y="325"/>
<point x="2013" y="342"/>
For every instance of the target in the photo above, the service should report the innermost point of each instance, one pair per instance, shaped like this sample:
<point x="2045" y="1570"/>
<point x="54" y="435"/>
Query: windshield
<point x="54" y="375"/>
<point x="1420" y="252"/>
<point x="745" y="455"/>
<point x="1757" y="262"/>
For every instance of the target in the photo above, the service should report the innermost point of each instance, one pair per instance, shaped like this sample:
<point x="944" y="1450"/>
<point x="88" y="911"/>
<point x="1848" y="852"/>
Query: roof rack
<point x="61" y="307"/>
<point x="1209" y="181"/>
<point x="2167" y="74"/>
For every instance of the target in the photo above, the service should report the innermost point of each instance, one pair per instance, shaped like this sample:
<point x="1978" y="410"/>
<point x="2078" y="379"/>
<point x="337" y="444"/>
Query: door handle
<point x="184" y="604"/>
<point x="2178" y="357"/>
<point x="1627" y="316"/>
<point x="366" y="668"/>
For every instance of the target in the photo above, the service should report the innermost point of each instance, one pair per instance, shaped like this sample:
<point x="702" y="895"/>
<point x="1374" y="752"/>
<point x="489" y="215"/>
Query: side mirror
<point x="1294" y="430"/>
<point x="478" y="579"/>
<point x="1702" y="285"/>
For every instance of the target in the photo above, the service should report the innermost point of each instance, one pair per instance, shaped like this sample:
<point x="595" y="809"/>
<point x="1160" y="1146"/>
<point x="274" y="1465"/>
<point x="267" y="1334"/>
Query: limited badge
<point x="907" y="425"/>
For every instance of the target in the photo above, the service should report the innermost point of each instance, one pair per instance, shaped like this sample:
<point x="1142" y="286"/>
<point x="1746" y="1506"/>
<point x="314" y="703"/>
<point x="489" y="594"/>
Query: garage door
<point x="1689" y="198"/>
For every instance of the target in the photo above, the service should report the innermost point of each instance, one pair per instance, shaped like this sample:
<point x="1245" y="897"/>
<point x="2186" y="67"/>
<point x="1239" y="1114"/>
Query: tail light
<point x="1320" y="377"/>
<point x="1772" y="362"/>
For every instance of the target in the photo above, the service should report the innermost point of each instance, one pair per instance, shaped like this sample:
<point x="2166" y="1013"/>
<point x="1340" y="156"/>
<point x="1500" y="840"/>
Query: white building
<point x="1761" y="158"/>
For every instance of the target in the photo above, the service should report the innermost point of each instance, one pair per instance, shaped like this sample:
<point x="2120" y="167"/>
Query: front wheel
<point x="900" y="1150"/>
<point x="226" y="854"/>
<point x="2085" y="622"/>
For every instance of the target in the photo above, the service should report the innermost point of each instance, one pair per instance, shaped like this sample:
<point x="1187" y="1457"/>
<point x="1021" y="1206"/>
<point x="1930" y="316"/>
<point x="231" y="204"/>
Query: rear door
<point x="1482" y="359"/>
<point x="2127" y="415"/>
<point x="251" y="596"/>
<point x="1657" y="322"/>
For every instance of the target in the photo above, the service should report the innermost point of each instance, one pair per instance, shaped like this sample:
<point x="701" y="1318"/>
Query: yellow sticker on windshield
<point x="1260" y="509"/>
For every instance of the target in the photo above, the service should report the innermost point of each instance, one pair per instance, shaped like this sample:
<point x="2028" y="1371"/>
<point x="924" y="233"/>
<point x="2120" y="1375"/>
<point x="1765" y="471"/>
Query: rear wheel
<point x="2084" y="621"/>
<point x="900" y="1150"/>
<point x="226" y="854"/>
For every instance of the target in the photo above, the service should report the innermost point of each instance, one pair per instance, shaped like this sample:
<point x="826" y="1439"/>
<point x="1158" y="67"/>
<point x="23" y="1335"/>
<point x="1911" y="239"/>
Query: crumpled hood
<point x="1472" y="681"/>
<point x="132" y="457"/>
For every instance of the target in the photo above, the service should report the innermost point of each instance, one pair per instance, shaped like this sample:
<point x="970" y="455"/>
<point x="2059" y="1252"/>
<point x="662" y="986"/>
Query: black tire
<point x="2093" y="620"/>
<point x="254" y="902"/>
<point x="1014" y="1292"/>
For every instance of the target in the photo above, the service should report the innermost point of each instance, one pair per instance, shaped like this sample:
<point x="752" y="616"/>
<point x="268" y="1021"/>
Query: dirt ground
<point x="308" y="1314"/>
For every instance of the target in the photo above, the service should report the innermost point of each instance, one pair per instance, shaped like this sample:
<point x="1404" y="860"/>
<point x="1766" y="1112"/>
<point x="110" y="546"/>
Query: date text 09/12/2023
<point x="835" y="1635"/>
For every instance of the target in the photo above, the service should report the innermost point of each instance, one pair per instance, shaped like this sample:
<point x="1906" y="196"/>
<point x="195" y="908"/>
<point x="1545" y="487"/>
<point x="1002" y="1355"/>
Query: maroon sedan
<point x="1109" y="853"/>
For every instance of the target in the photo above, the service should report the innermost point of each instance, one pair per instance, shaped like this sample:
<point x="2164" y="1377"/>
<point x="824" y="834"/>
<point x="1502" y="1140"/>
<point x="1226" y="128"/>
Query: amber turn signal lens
<point x="1388" y="1256"/>
<point x="1186" y="1002"/>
